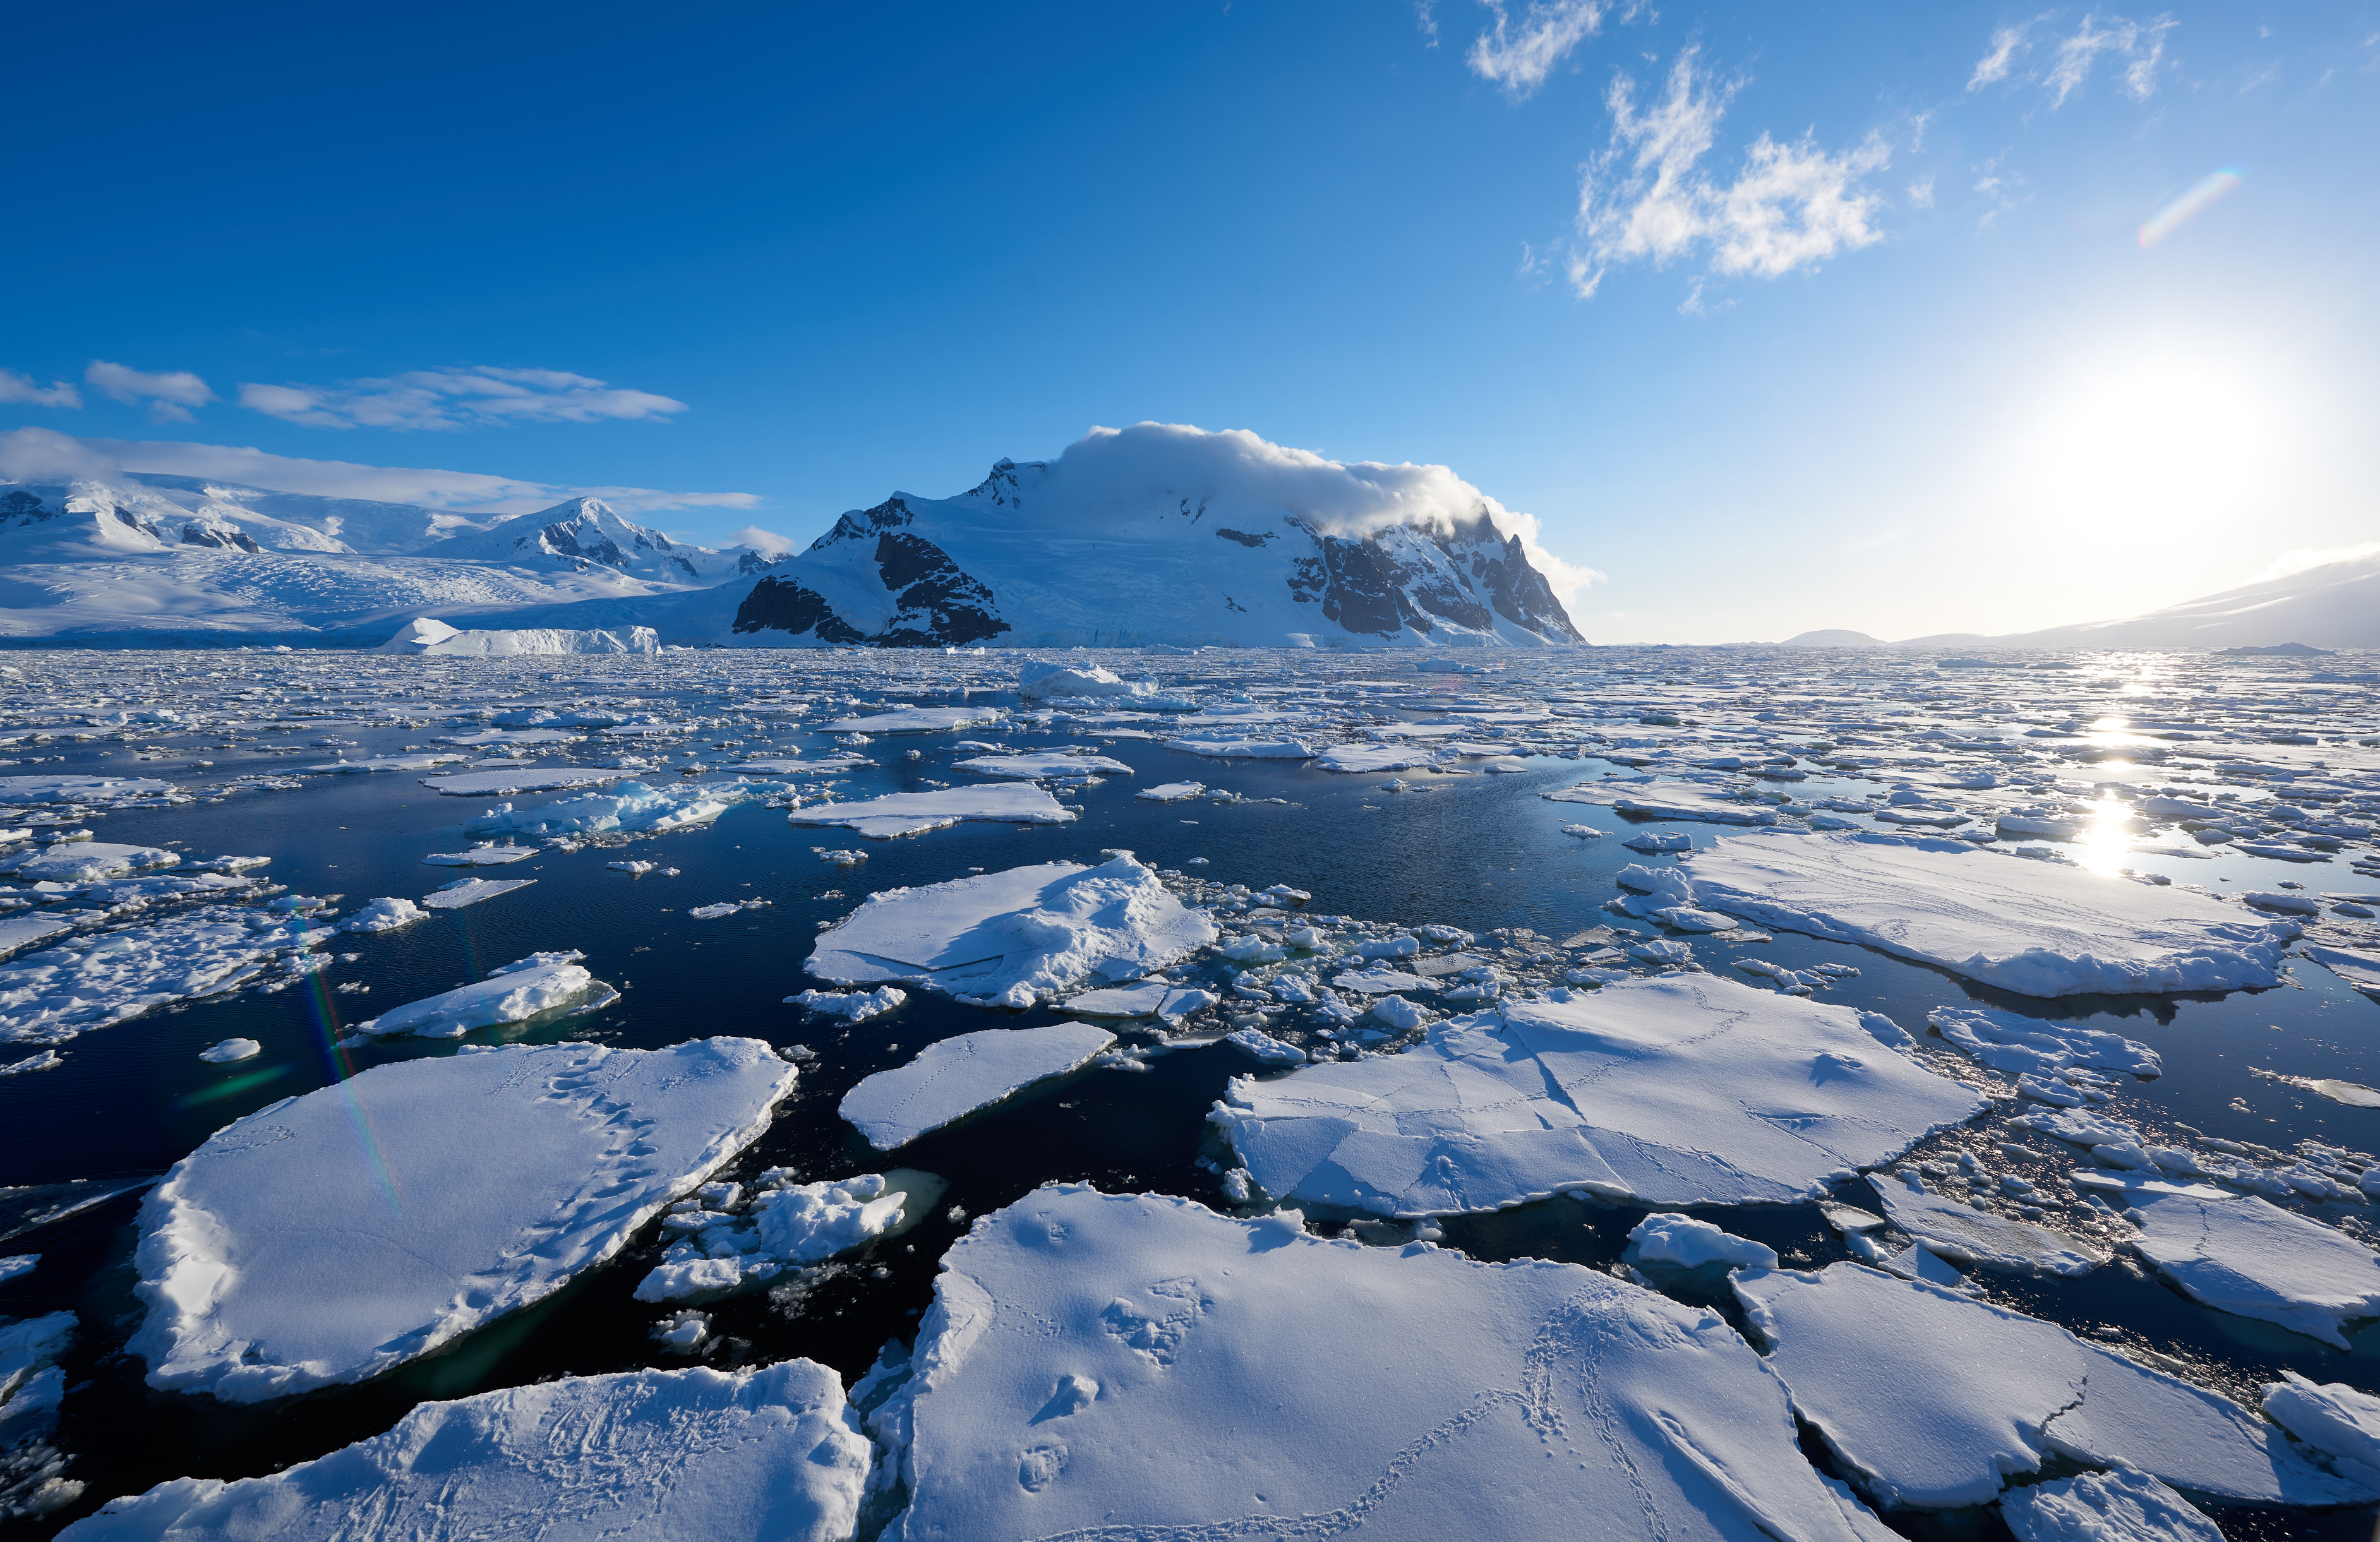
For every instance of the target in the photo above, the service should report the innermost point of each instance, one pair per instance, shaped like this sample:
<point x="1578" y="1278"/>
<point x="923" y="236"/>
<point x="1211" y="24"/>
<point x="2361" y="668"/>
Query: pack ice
<point x="2034" y="927"/>
<point x="952" y="1078"/>
<point x="85" y="862"/>
<point x="94" y="980"/>
<point x="1935" y="1399"/>
<point x="1074" y="1335"/>
<point x="894" y="814"/>
<point x="769" y="1455"/>
<point x="1680" y="1090"/>
<point x="1014" y="937"/>
<point x="632" y="808"/>
<point x="328" y="1237"/>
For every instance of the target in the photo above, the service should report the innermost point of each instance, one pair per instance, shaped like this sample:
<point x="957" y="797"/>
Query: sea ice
<point x="725" y="908"/>
<point x="1014" y="937"/>
<point x="95" y="980"/>
<point x="1148" y="999"/>
<point x="1074" y="1333"/>
<point x="1690" y="1244"/>
<point x="1965" y="1234"/>
<point x="857" y="1005"/>
<point x="954" y="1077"/>
<point x="1172" y="792"/>
<point x="914" y="813"/>
<point x="471" y="891"/>
<point x="480" y="857"/>
<point x="1678" y="1090"/>
<point x="85" y="862"/>
<point x="385" y="913"/>
<point x="1936" y="1399"/>
<point x="919" y="720"/>
<point x="33" y="1385"/>
<point x="2238" y="1254"/>
<point x="2032" y="928"/>
<point x="767" y="1455"/>
<point x="19" y="932"/>
<point x="516" y="990"/>
<point x="1268" y="1050"/>
<point x="2007" y="1041"/>
<point x="1669" y="800"/>
<point x="2360" y="970"/>
<point x="231" y="1050"/>
<point x="382" y="763"/>
<point x="784" y="1225"/>
<point x="2104" y="1507"/>
<point x="286" y="1253"/>
<point x="2332" y="1418"/>
<point x="79" y="789"/>
<point x="632" y="808"/>
<point x="502" y="783"/>
<point x="1039" y="764"/>
<point x="1040" y="680"/>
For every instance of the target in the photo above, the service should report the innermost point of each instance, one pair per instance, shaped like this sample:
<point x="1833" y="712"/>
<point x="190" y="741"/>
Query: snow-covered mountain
<point x="1159" y="534"/>
<point x="584" y="533"/>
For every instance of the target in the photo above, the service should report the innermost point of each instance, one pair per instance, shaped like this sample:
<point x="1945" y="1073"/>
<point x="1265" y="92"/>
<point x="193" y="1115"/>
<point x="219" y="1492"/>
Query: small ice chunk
<point x="856" y="1005"/>
<point x="1669" y="1238"/>
<point x="724" y="908"/>
<point x="17" y="1264"/>
<point x="385" y="913"/>
<point x="2116" y="1506"/>
<point x="1172" y="792"/>
<point x="1652" y="840"/>
<point x="954" y="1077"/>
<point x="1268" y="1050"/>
<point x="1400" y="1014"/>
<point x="231" y="1050"/>
<point x="634" y="869"/>
<point x="797" y="1224"/>
<point x="683" y="1332"/>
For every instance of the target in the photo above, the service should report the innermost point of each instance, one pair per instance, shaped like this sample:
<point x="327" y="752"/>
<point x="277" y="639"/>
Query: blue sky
<point x="1774" y="319"/>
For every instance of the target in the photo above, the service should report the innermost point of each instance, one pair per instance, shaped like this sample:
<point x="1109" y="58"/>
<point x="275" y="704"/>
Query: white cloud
<point x="1426" y="17"/>
<point x="456" y="398"/>
<point x="768" y="543"/>
<point x="2289" y="563"/>
<point x="25" y="391"/>
<point x="38" y="455"/>
<point x="170" y="396"/>
<point x="2006" y="44"/>
<point x="1645" y="197"/>
<point x="1921" y="193"/>
<point x="1518" y="57"/>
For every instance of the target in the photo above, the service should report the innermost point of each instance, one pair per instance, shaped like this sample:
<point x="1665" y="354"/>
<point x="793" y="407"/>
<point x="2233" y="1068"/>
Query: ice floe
<point x="632" y="808"/>
<point x="894" y="814"/>
<point x="1146" y="998"/>
<point x="471" y="891"/>
<point x="1955" y="1230"/>
<point x="511" y="993"/>
<point x="231" y="1050"/>
<point x="856" y="1005"/>
<point x="85" y="862"/>
<point x="2115" y="1506"/>
<point x="385" y="913"/>
<point x="32" y="1386"/>
<point x="286" y="1254"/>
<point x="2332" y="1418"/>
<point x="500" y="783"/>
<point x="2005" y="1041"/>
<point x="1669" y="801"/>
<point x="1016" y="937"/>
<point x="1935" y="1399"/>
<point x="954" y="1078"/>
<point x="2360" y="970"/>
<point x="79" y="789"/>
<point x="480" y="857"/>
<point x="919" y="720"/>
<point x="724" y="1241"/>
<point x="1683" y="1089"/>
<point x="1681" y="1240"/>
<point x="19" y="932"/>
<point x="2240" y="1253"/>
<point x="91" y="980"/>
<point x="1042" y="765"/>
<point x="1172" y="792"/>
<point x="1146" y="1324"/>
<point x="2032" y="928"/>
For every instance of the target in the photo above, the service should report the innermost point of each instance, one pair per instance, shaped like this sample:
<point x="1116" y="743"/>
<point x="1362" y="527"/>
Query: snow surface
<point x="952" y="1078"/>
<point x="1680" y="1090"/>
<point x="2034" y="927"/>
<point x="511" y="993"/>
<point x="2104" y="1507"/>
<point x="1322" y="1389"/>
<point x="767" y="1455"/>
<point x="1016" y="937"/>
<point x="2240" y="1253"/>
<point x="882" y="819"/>
<point x="1935" y="1399"/>
<point x="285" y="1254"/>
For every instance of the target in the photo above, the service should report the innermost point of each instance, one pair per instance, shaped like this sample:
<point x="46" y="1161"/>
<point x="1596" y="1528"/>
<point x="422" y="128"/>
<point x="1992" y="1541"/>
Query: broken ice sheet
<point x="85" y="862"/>
<point x="954" y="1077"/>
<point x="93" y="980"/>
<point x="2007" y="1041"/>
<point x="286" y="1254"/>
<point x="2104" y="1507"/>
<point x="632" y="808"/>
<point x="1961" y="1232"/>
<point x="918" y="719"/>
<point x="1155" y="1322"/>
<point x="1935" y="1399"/>
<point x="1033" y="765"/>
<point x="1669" y="800"/>
<point x="2360" y="970"/>
<point x="764" y="1455"/>
<point x="1685" y="1090"/>
<point x="2240" y="1253"/>
<point x="2032" y="928"/>
<point x="725" y="1239"/>
<point x="1146" y="998"/>
<point x="894" y="814"/>
<point x="1014" y="937"/>
<point x="482" y="856"/>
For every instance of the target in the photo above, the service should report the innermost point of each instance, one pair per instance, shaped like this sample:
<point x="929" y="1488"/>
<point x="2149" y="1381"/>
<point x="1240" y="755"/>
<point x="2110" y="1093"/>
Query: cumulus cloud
<point x="1645" y="197"/>
<point x="41" y="455"/>
<point x="2305" y="557"/>
<point x="768" y="543"/>
<point x="2137" y="46"/>
<point x="1518" y="53"/>
<point x="1163" y="466"/>
<point x="469" y="396"/>
<point x="24" y="389"/>
<point x="170" y="396"/>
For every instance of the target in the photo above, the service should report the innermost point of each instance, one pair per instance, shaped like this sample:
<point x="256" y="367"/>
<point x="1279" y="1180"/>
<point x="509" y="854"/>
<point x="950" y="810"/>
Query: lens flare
<point x="2188" y="205"/>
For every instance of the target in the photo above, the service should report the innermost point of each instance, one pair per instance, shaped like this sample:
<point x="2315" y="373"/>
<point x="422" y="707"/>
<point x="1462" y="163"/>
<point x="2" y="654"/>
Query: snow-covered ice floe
<point x="2333" y="1417"/>
<point x="19" y="932"/>
<point x="427" y="761"/>
<point x="1933" y="1400"/>
<point x="1678" y="1090"/>
<point x="1074" y="1333"/>
<point x="2238" y="1254"/>
<point x="2034" y="928"/>
<point x="85" y="862"/>
<point x="286" y="1254"/>
<point x="2104" y="1507"/>
<point x="1013" y="938"/>
<point x="79" y="789"/>
<point x="482" y="856"/>
<point x="915" y="813"/>
<point x="952" y="1078"/>
<point x="1227" y="745"/>
<point x="91" y="981"/>
<point x="919" y="720"/>
<point x="231" y="1050"/>
<point x="769" y="1455"/>
<point x="1690" y="1244"/>
<point x="1669" y="800"/>
<point x="2005" y="1041"/>
<point x="632" y="808"/>
<point x="471" y="891"/>
<point x="2360" y="970"/>
<point x="726" y="1240"/>
<point x="1954" y="1230"/>
<point x="1146" y="999"/>
<point x="1172" y="792"/>
<point x="511" y="993"/>
<point x="540" y="779"/>
<point x="856" y="1005"/>
<point x="1035" y="765"/>
<point x="385" y="913"/>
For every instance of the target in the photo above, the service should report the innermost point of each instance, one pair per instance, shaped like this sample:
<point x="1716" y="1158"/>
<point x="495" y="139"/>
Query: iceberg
<point x="1013" y="938"/>
<point x="954" y="1077"/>
<point x="2034" y="927"/>
<point x="286" y="1254"/>
<point x="426" y="637"/>
<point x="1686" y="1089"/>
<point x="769" y="1455"/>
